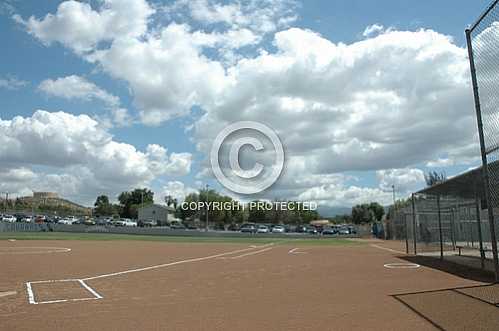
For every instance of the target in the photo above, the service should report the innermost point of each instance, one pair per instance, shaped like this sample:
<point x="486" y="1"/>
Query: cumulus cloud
<point x="176" y="189"/>
<point x="394" y="100"/>
<point x="76" y="87"/>
<point x="261" y="16"/>
<point x="77" y="26"/>
<point x="84" y="154"/>
<point x="404" y="180"/>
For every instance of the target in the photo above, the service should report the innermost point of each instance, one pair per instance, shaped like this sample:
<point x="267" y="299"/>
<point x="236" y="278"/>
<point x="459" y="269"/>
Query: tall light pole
<point x="393" y="191"/>
<point x="207" y="190"/>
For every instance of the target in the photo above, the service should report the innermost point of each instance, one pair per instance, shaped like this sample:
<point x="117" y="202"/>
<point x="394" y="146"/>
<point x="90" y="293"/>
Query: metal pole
<point x="206" y="228"/>
<point x="485" y="170"/>
<point x="406" y="235"/>
<point x="453" y="213"/>
<point x="479" y="223"/>
<point x="440" y="229"/>
<point x="414" y="235"/>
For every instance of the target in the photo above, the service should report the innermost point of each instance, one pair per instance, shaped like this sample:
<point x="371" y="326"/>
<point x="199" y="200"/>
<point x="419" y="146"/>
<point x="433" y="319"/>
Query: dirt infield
<point x="182" y="286"/>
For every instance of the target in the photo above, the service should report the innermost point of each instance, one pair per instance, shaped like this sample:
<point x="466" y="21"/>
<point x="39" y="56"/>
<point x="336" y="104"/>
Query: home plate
<point x="12" y="240"/>
<point x="8" y="293"/>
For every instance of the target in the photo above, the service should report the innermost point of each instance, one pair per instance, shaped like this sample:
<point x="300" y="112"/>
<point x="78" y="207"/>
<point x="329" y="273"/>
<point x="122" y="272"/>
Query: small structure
<point x="163" y="215"/>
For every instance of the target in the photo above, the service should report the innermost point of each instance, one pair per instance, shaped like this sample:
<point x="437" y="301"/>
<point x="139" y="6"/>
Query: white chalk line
<point x="42" y="250"/>
<point x="251" y="253"/>
<point x="31" y="296"/>
<point x="294" y="251"/>
<point x="197" y="259"/>
<point x="8" y="293"/>
<point x="401" y="265"/>
<point x="387" y="249"/>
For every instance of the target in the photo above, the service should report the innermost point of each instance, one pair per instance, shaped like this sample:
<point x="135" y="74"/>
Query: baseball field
<point x="116" y="282"/>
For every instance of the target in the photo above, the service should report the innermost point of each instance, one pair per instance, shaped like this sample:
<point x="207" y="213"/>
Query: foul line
<point x="8" y="293"/>
<point x="251" y="253"/>
<point x="387" y="249"/>
<point x="48" y="250"/>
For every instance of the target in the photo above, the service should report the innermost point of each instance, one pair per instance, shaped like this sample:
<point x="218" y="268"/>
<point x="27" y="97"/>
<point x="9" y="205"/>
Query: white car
<point x="278" y="229"/>
<point x="9" y="218"/>
<point x="27" y="219"/>
<point x="67" y="221"/>
<point x="262" y="229"/>
<point x="131" y="223"/>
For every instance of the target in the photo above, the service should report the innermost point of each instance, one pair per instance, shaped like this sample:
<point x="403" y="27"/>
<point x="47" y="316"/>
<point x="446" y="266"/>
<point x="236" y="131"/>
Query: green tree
<point x="362" y="214"/>
<point x="103" y="206"/>
<point x="434" y="178"/>
<point x="131" y="201"/>
<point x="377" y="210"/>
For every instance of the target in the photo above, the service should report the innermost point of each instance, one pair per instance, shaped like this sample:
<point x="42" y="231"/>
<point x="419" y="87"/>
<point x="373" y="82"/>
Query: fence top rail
<point x="484" y="14"/>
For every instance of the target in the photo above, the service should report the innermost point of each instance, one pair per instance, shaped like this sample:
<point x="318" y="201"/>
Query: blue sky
<point x="38" y="50"/>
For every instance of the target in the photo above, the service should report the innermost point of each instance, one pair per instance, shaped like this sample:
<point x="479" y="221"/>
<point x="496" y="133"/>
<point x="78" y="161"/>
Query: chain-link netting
<point x="483" y="43"/>
<point x="441" y="224"/>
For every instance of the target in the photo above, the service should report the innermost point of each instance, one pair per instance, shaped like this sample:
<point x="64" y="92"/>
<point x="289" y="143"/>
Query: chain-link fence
<point x="483" y="48"/>
<point x="438" y="222"/>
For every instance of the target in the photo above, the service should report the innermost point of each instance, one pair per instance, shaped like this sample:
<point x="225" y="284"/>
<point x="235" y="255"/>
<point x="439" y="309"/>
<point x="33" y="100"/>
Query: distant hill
<point x="325" y="211"/>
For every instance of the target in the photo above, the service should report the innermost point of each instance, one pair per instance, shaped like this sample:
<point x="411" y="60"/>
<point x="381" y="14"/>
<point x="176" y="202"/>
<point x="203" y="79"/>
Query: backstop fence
<point x="438" y="222"/>
<point x="483" y="48"/>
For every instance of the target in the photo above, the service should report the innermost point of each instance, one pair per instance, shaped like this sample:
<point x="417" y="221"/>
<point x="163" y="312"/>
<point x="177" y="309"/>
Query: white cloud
<point x="373" y="30"/>
<point x="77" y="26"/>
<point x="404" y="180"/>
<point x="76" y="153"/>
<point x="76" y="87"/>
<point x="394" y="100"/>
<point x="177" y="190"/>
<point x="12" y="83"/>
<point x="167" y="73"/>
<point x="261" y="16"/>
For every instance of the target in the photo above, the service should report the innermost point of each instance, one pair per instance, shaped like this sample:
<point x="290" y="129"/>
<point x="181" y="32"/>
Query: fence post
<point x="406" y="234"/>
<point x="485" y="170"/>
<point x="479" y="223"/>
<point x="440" y="228"/>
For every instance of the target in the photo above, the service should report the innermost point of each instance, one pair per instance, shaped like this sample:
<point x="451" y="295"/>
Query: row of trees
<point x="130" y="202"/>
<point x="270" y="213"/>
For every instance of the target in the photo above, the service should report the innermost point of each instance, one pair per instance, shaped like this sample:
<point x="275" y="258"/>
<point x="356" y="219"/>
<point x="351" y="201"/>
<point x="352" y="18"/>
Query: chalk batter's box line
<point x="31" y="295"/>
<point x="96" y="296"/>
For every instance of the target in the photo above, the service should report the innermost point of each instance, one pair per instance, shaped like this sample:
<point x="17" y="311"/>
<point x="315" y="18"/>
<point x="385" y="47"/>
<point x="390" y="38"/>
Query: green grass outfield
<point x="179" y="239"/>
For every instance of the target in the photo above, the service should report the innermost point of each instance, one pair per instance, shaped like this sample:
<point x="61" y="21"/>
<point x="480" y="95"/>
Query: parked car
<point x="312" y="230"/>
<point x="248" y="228"/>
<point x="177" y="226"/>
<point x="344" y="231"/>
<point x="103" y="221"/>
<point x="130" y="223"/>
<point x="233" y="227"/>
<point x="278" y="229"/>
<point x="89" y="221"/>
<point x="27" y="219"/>
<point x="147" y="223"/>
<point x="262" y="229"/>
<point x="301" y="229"/>
<point x="329" y="231"/>
<point x="66" y="221"/>
<point x="9" y="218"/>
